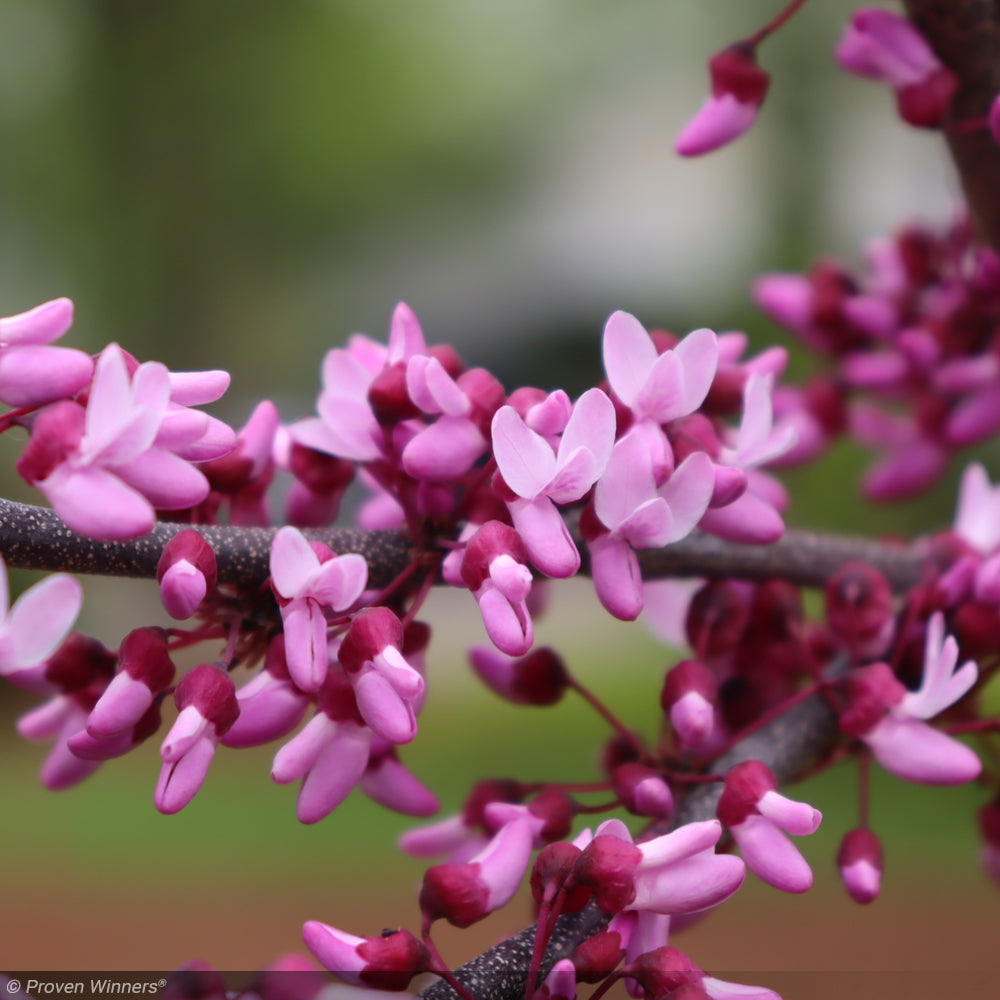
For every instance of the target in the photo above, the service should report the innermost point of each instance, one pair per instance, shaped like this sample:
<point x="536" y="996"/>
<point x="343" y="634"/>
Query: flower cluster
<point x="492" y="492"/>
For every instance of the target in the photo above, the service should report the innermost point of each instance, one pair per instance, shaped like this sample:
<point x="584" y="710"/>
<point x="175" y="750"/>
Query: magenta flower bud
<point x="860" y="862"/>
<point x="859" y="608"/>
<point x="643" y="791"/>
<point x="883" y="46"/>
<point x="552" y="872"/>
<point x="597" y="957"/>
<point x="208" y="707"/>
<point x="465" y="893"/>
<point x="536" y="679"/>
<point x="739" y="87"/>
<point x="186" y="572"/>
<point x="608" y="865"/>
<point x="251" y="458"/>
<point x="387" y="962"/>
<point x="689" y="697"/>
<point x="494" y="569"/>
<point x="758" y="816"/>
<point x="385" y="684"/>
<point x="145" y="670"/>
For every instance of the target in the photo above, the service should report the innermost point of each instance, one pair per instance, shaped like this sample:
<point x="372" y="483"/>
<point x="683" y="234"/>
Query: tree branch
<point x="35" y="538"/>
<point x="965" y="34"/>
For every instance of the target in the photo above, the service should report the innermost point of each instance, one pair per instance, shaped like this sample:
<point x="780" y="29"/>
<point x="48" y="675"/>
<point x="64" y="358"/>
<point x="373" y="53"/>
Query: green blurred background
<point x="241" y="184"/>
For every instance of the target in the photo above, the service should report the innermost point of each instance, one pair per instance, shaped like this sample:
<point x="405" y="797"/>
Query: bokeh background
<point x="243" y="183"/>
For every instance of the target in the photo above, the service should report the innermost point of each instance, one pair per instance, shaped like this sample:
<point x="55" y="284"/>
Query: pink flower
<point x="329" y="754"/>
<point x="465" y="893"/>
<point x="758" y="816"/>
<point x="206" y="697"/>
<point x="860" y="862"/>
<point x="739" y="87"/>
<point x="493" y="568"/>
<point x="388" y="689"/>
<point x="41" y="618"/>
<point x="639" y="513"/>
<point x="679" y="872"/>
<point x="386" y="962"/>
<point x="539" y="478"/>
<point x="186" y="572"/>
<point x="884" y="46"/>
<point x="901" y="740"/>
<point x="102" y="467"/>
<point x="33" y="373"/>
<point x="144" y="671"/>
<point x="306" y="586"/>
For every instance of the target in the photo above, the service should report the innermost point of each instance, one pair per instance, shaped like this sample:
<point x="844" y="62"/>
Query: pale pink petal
<point x="698" y="354"/>
<point x="771" y="856"/>
<point x="40" y="325"/>
<point x="336" y="950"/>
<point x="338" y="582"/>
<point x="688" y="492"/>
<point x="31" y="375"/>
<point x="336" y="771"/>
<point x="524" y="458"/>
<point x="661" y="397"/>
<point x="391" y="785"/>
<point x="198" y="388"/>
<point x="546" y="537"/>
<point x="511" y="632"/>
<point x="749" y="519"/>
<point x="305" y="644"/>
<point x="914" y="751"/>
<point x="97" y="503"/>
<point x="166" y="481"/>
<point x="180" y="781"/>
<point x="627" y="482"/>
<point x="42" y="617"/>
<point x="720" y="120"/>
<point x="299" y="754"/>
<point x="617" y="580"/>
<point x="406" y="339"/>
<point x="382" y="708"/>
<point x="293" y="562"/>
<point x="977" y="518"/>
<point x="629" y="355"/>
<point x="688" y="885"/>
<point x="591" y="426"/>
<point x="433" y="390"/>
<point x="443" y="451"/>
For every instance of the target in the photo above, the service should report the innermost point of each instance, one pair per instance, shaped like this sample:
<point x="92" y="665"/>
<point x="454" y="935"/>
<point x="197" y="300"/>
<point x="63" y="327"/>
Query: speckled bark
<point x="965" y="34"/>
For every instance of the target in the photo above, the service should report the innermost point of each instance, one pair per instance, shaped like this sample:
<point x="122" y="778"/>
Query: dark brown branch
<point x="35" y="538"/>
<point x="789" y="745"/>
<point x="965" y="34"/>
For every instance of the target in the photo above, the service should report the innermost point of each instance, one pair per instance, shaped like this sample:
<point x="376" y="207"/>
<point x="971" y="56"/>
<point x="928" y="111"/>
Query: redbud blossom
<point x="306" y="585"/>
<point x="758" y="816"/>
<point x="387" y="962"/>
<point x="739" y="87"/>
<point x="689" y="696"/>
<point x="31" y="372"/>
<point x="465" y="893"/>
<point x="860" y="862"/>
<point x="884" y="46"/>
<point x="186" y="572"/>
<point x="145" y="670"/>
<point x="206" y="698"/>
<point x="39" y="621"/>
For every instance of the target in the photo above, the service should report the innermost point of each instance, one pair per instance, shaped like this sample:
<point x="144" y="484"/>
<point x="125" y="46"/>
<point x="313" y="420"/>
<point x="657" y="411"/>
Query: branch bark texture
<point x="965" y="34"/>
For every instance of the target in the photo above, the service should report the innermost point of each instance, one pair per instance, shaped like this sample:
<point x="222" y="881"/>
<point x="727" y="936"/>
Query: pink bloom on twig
<point x="739" y="87"/>
<point x="306" y="586"/>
